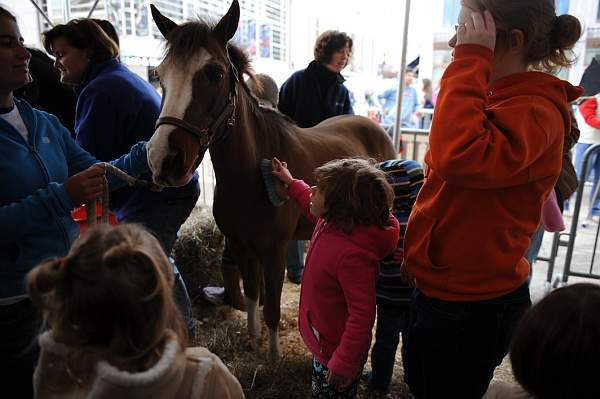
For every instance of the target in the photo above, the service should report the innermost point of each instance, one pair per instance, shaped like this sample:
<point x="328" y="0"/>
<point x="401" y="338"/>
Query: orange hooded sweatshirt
<point x="495" y="153"/>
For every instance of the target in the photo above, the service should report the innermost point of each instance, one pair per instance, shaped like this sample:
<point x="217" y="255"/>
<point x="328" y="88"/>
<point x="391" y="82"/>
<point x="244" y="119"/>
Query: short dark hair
<point x="108" y="28"/>
<point x="555" y="348"/>
<point x="84" y="34"/>
<point x="355" y="193"/>
<point x="330" y="42"/>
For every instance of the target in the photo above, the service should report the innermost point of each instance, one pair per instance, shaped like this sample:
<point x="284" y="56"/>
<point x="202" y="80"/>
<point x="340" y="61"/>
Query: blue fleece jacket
<point x="35" y="221"/>
<point x="115" y="109"/>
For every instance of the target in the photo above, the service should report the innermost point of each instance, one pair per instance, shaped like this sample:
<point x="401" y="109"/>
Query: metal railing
<point x="559" y="238"/>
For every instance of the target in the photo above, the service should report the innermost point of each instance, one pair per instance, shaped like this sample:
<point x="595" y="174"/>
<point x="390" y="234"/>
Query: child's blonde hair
<point x="355" y="193"/>
<point x="111" y="293"/>
<point x="548" y="37"/>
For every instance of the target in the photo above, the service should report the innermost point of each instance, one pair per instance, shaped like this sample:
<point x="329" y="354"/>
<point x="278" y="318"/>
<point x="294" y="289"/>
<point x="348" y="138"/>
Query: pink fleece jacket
<point x="337" y="298"/>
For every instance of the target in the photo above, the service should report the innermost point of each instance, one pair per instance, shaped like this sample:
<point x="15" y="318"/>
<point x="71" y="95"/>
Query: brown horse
<point x="206" y="105"/>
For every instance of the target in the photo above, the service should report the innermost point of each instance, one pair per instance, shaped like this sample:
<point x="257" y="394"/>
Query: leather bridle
<point x="206" y="134"/>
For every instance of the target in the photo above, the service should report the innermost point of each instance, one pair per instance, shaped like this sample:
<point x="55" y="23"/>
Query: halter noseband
<point x="206" y="134"/>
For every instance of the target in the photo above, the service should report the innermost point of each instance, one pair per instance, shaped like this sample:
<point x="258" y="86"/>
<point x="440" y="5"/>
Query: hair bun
<point x="565" y="32"/>
<point x="45" y="278"/>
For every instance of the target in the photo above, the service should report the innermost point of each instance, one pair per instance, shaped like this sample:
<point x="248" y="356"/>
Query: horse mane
<point x="273" y="122"/>
<point x="186" y="39"/>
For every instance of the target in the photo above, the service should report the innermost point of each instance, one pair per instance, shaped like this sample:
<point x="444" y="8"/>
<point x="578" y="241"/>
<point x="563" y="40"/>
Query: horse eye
<point x="214" y="76"/>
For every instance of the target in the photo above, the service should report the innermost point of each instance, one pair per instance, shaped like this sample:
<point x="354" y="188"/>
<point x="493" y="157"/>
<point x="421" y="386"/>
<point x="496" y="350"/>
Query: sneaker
<point x="367" y="378"/>
<point x="295" y="279"/>
<point x="214" y="295"/>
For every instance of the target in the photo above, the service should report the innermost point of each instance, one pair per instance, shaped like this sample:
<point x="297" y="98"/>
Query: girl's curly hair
<point x="355" y="192"/>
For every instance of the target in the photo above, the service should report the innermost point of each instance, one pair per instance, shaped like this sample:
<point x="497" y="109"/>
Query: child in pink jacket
<point x="354" y="231"/>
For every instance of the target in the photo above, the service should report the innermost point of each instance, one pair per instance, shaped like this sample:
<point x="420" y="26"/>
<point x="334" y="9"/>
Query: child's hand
<point x="479" y="29"/>
<point x="281" y="171"/>
<point x="339" y="382"/>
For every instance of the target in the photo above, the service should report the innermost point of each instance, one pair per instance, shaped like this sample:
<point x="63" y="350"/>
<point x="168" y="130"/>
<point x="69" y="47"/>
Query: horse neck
<point x="258" y="133"/>
<point x="236" y="153"/>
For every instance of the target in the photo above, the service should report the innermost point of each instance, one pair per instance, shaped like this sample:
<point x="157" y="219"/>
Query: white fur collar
<point x="112" y="374"/>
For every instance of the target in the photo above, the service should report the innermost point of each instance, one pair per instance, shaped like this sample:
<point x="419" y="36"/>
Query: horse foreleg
<point x="273" y="269"/>
<point x="251" y="278"/>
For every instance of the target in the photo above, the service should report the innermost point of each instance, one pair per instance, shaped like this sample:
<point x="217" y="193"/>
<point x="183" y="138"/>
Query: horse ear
<point x="227" y="26"/>
<point x="164" y="24"/>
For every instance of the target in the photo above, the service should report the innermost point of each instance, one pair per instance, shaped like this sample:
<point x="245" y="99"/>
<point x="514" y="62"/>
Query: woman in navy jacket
<point x="44" y="175"/>
<point x="115" y="108"/>
<point x="316" y="93"/>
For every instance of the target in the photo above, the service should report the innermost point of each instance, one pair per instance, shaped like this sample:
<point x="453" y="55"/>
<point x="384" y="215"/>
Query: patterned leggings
<point x="322" y="390"/>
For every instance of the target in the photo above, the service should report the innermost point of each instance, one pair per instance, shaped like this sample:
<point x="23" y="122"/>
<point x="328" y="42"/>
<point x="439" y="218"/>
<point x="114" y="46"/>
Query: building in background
<point x="279" y="34"/>
<point x="588" y="12"/>
<point x="263" y="29"/>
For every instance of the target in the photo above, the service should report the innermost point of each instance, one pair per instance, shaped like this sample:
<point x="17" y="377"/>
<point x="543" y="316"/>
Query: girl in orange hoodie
<point x="495" y="155"/>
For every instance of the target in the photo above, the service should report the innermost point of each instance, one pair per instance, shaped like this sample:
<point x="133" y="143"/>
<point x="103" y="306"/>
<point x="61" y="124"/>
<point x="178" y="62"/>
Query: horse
<point x="207" y="106"/>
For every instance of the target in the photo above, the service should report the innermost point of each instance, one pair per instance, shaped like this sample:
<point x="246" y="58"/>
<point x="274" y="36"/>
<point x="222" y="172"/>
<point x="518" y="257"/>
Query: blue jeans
<point x="450" y="349"/>
<point x="164" y="221"/>
<point x="295" y="259"/>
<point x="534" y="247"/>
<point x="593" y="165"/>
<point x="391" y="321"/>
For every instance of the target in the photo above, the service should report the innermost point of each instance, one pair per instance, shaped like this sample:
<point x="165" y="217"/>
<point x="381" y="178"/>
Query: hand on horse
<point x="281" y="172"/>
<point x="86" y="185"/>
<point x="339" y="382"/>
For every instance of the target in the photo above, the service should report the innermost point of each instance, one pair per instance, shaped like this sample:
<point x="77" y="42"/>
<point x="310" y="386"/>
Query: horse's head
<point x="199" y="94"/>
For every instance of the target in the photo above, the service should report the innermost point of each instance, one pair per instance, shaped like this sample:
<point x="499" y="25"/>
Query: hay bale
<point x="197" y="251"/>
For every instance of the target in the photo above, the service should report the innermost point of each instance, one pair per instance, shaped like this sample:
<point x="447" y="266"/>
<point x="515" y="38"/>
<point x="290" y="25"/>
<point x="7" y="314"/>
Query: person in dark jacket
<point x="316" y="93"/>
<point x="116" y="107"/>
<point x="309" y="97"/>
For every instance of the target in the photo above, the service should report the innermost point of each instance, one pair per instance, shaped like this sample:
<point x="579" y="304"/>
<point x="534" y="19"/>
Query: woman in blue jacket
<point x="116" y="108"/>
<point x="44" y="175"/>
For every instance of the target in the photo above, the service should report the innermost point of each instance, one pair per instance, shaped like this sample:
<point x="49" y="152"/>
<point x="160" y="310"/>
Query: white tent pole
<point x="93" y="8"/>
<point x="400" y="94"/>
<point x="36" y="5"/>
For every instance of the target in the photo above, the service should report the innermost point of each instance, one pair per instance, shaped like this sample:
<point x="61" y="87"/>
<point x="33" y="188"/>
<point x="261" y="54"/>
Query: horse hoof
<point x="274" y="354"/>
<point x="274" y="349"/>
<point x="255" y="344"/>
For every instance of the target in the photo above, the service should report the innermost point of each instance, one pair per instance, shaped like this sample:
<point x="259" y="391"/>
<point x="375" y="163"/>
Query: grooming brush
<point x="275" y="189"/>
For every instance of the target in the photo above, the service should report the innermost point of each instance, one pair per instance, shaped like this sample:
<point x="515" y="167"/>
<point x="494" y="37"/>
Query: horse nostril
<point x="174" y="163"/>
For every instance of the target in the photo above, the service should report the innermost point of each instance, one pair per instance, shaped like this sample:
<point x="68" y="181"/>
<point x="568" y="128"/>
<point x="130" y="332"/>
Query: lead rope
<point x="90" y="206"/>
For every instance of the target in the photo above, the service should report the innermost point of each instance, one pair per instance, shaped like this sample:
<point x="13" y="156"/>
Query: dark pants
<point x="294" y="260"/>
<point x="391" y="321"/>
<point x="19" y="327"/>
<point x="164" y="221"/>
<point x="450" y="349"/>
